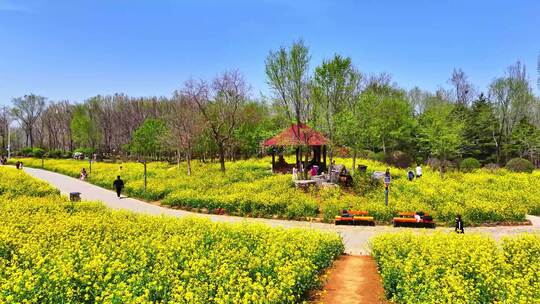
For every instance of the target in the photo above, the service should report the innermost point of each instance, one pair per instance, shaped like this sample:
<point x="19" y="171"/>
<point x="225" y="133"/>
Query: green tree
<point x="333" y="89"/>
<point x="84" y="129"/>
<point x="525" y="140"/>
<point x="147" y="141"/>
<point x="440" y="133"/>
<point x="480" y="131"/>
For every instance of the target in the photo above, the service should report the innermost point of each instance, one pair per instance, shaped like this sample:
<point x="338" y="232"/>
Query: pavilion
<point x="297" y="136"/>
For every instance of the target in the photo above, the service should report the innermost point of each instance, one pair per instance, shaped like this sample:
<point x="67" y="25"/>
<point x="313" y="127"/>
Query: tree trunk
<point x="222" y="158"/>
<point x="144" y="163"/>
<point x="353" y="161"/>
<point x="188" y="159"/>
<point x="178" y="159"/>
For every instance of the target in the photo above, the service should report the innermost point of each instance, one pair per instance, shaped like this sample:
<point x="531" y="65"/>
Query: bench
<point x="354" y="217"/>
<point x="406" y="219"/>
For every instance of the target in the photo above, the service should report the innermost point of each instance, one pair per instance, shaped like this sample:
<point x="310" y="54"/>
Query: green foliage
<point x="469" y="164"/>
<point x="55" y="153"/>
<point x="440" y="132"/>
<point x="38" y="152"/>
<point x="440" y="268"/>
<point x="478" y="131"/>
<point x="84" y="128"/>
<point x="27" y="152"/>
<point x="520" y="165"/>
<point x="148" y="139"/>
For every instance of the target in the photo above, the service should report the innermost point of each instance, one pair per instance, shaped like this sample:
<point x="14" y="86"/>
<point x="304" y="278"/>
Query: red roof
<point x="291" y="137"/>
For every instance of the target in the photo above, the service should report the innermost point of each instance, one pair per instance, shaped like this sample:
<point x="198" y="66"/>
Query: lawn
<point x="248" y="188"/>
<point x="55" y="251"/>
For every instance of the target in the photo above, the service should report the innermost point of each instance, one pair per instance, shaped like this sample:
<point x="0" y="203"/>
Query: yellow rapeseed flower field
<point x="458" y="269"/>
<point x="249" y="188"/>
<point x="56" y="251"/>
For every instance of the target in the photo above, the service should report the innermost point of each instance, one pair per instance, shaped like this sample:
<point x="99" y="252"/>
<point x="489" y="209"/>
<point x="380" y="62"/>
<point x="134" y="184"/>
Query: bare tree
<point x="185" y="126"/>
<point x="463" y="89"/>
<point x="220" y="105"/>
<point x="287" y="75"/>
<point x="5" y="120"/>
<point x="513" y="98"/>
<point x="27" y="110"/>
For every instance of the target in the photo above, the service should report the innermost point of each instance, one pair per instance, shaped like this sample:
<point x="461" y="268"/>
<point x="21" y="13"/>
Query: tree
<point x="333" y="89"/>
<point x="463" y="89"/>
<point x="27" y="110"/>
<point x="480" y="131"/>
<point x="5" y="121"/>
<point x="185" y="125"/>
<point x="440" y="132"/>
<point x="287" y="76"/>
<point x="84" y="129"/>
<point x="513" y="98"/>
<point x="220" y="106"/>
<point x="147" y="141"/>
<point x="525" y="140"/>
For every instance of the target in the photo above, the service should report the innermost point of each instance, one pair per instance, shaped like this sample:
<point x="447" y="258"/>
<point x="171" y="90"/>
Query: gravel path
<point x="355" y="237"/>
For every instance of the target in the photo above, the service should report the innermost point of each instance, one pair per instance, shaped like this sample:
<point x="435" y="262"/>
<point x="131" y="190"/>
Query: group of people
<point x="411" y="175"/>
<point x="19" y="165"/>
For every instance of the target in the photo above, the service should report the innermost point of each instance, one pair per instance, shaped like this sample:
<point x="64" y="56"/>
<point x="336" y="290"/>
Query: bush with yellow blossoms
<point x="56" y="251"/>
<point x="452" y="268"/>
<point x="248" y="188"/>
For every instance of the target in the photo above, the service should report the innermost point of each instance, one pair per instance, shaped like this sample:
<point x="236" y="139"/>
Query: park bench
<point x="407" y="219"/>
<point x="353" y="217"/>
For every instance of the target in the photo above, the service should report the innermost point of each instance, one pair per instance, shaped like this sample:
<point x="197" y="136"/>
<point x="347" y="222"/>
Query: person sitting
<point x="17" y="164"/>
<point x="418" y="216"/>
<point x="410" y="175"/>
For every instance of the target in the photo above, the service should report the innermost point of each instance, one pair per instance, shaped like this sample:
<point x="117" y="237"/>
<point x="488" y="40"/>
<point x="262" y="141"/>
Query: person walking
<point x="459" y="224"/>
<point x="118" y="185"/>
<point x="418" y="171"/>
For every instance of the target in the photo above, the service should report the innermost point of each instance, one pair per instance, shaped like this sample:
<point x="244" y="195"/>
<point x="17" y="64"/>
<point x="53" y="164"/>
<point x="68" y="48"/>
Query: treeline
<point x="369" y="115"/>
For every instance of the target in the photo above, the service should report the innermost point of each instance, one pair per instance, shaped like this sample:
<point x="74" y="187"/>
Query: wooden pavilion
<point x="297" y="136"/>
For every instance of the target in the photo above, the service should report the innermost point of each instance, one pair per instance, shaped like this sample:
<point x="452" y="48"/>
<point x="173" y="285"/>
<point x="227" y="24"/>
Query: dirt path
<point x="353" y="280"/>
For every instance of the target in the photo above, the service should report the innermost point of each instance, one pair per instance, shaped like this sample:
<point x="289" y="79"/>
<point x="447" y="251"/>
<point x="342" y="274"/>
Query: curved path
<point x="355" y="238"/>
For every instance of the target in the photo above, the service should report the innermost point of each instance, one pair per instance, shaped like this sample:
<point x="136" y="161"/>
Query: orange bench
<point x="406" y="219"/>
<point x="355" y="217"/>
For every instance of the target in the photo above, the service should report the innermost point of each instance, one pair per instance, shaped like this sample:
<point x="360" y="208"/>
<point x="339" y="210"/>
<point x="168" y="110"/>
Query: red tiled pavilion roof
<point x="290" y="137"/>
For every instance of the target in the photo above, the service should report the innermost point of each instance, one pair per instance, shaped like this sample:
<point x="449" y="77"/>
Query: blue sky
<point x="77" y="49"/>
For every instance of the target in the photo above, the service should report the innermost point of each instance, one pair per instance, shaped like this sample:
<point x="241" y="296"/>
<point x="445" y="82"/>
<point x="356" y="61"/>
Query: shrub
<point x="398" y="159"/>
<point x="520" y="165"/>
<point x="27" y="152"/>
<point x="55" y="154"/>
<point x="379" y="156"/>
<point x="469" y="164"/>
<point x="38" y="152"/>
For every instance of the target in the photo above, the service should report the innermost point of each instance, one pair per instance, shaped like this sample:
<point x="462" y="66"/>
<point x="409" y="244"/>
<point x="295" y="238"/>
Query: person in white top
<point x="418" y="171"/>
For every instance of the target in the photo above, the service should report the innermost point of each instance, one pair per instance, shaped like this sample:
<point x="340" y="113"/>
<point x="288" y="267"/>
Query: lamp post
<point x="9" y="142"/>
<point x="386" y="186"/>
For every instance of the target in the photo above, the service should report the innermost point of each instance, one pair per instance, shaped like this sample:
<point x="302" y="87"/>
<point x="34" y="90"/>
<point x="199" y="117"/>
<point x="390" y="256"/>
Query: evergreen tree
<point x="479" y="131"/>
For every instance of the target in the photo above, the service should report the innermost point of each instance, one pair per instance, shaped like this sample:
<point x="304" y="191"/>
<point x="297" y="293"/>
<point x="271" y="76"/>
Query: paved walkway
<point x="355" y="237"/>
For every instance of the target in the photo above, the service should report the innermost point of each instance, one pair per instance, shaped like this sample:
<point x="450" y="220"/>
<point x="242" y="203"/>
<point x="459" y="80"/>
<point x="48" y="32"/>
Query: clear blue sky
<point x="77" y="49"/>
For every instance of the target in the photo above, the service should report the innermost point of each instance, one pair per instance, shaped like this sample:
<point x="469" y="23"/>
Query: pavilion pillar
<point x="273" y="159"/>
<point x="324" y="155"/>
